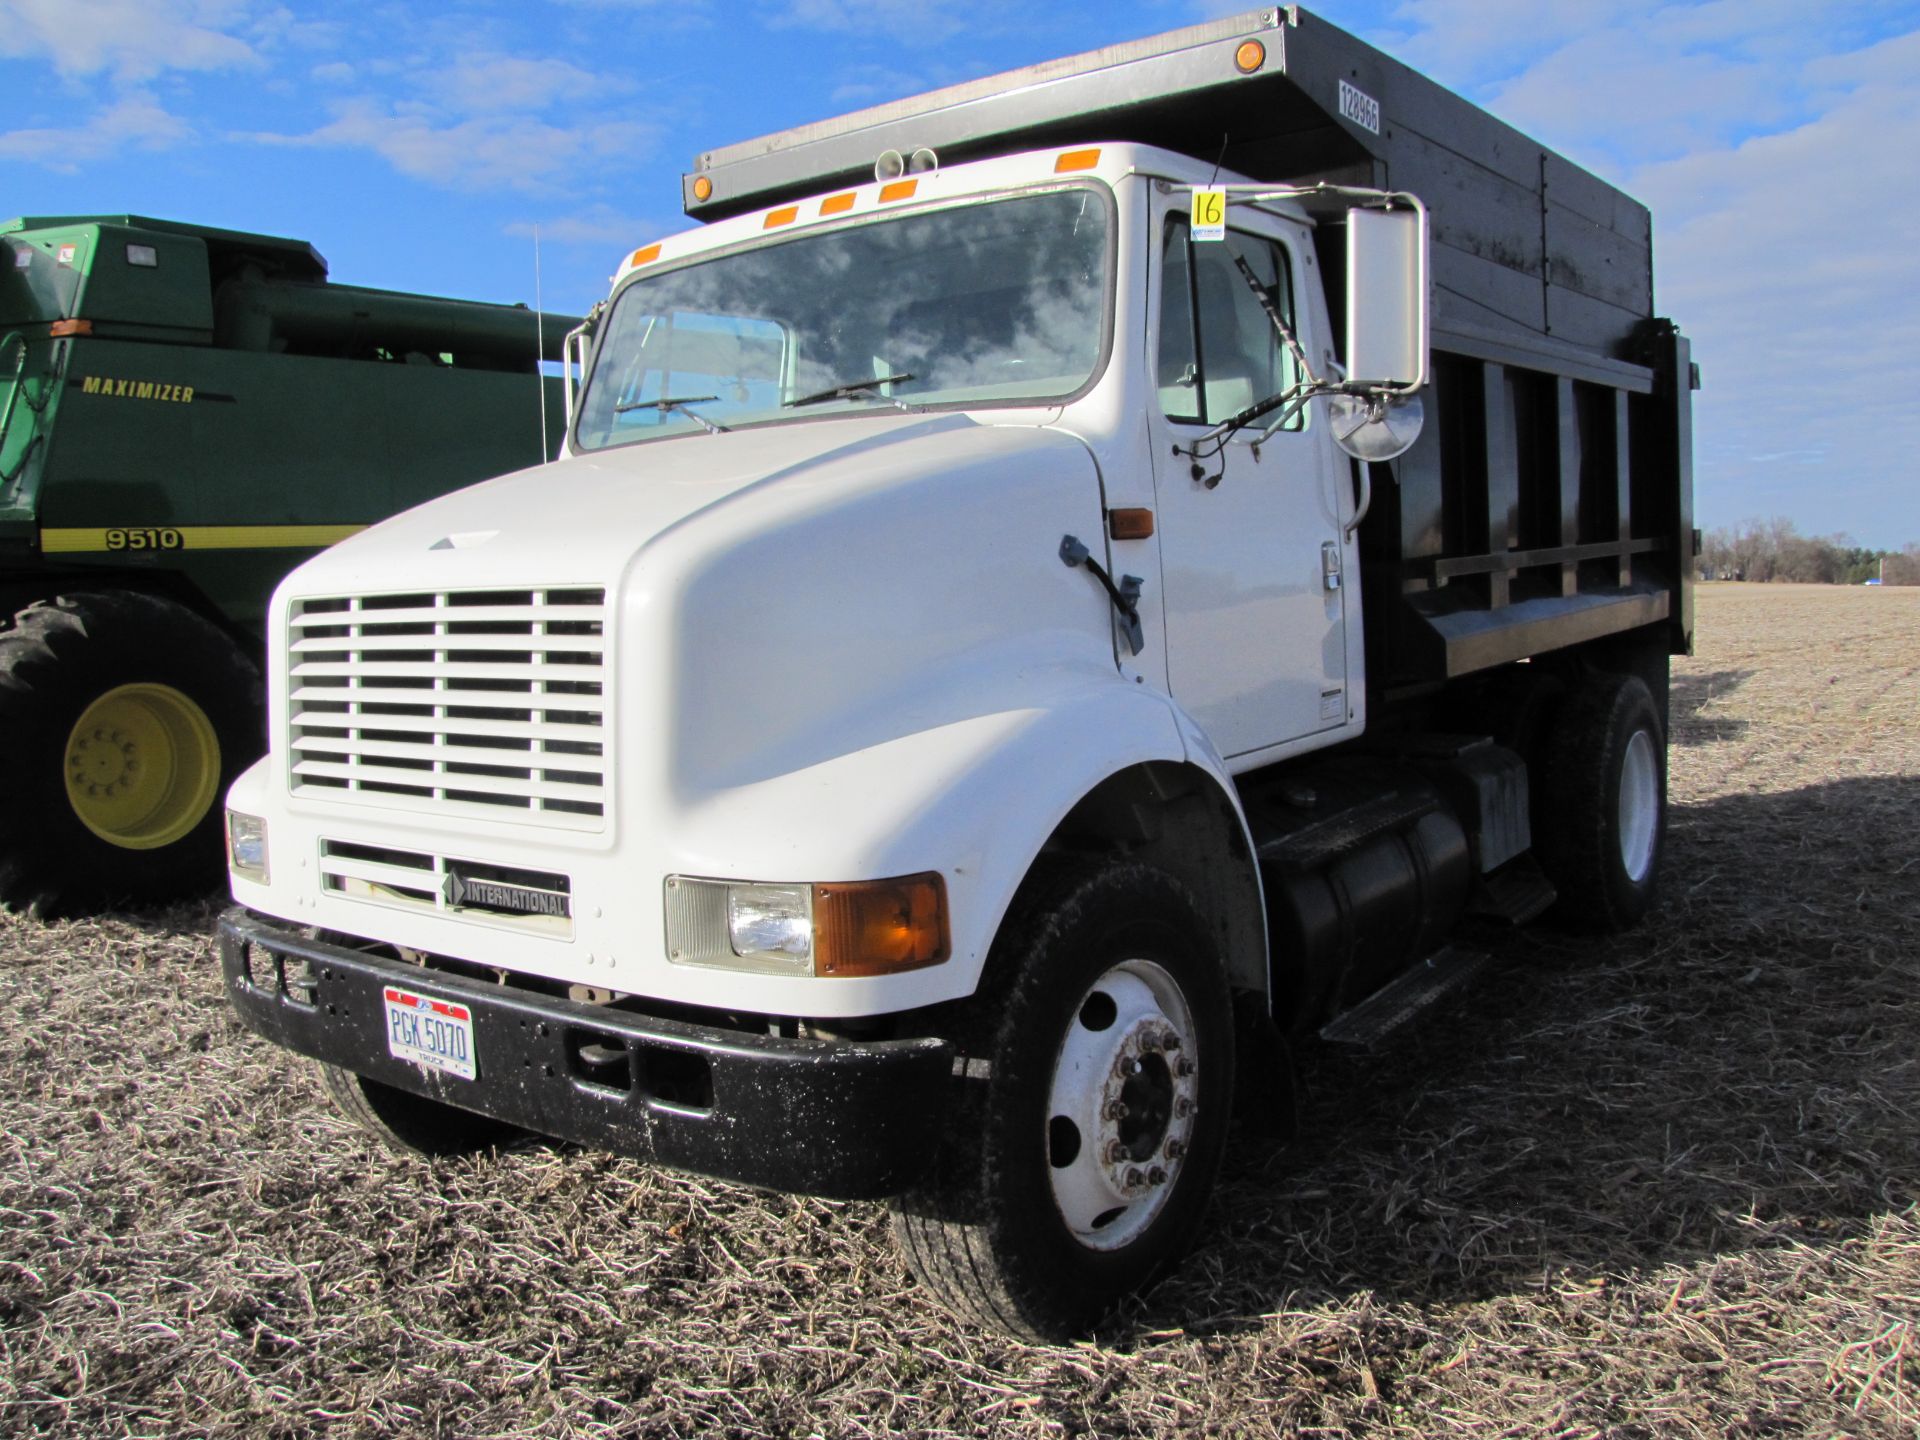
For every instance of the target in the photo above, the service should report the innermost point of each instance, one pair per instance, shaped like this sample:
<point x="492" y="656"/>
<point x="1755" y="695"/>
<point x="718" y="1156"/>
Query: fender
<point x="976" y="800"/>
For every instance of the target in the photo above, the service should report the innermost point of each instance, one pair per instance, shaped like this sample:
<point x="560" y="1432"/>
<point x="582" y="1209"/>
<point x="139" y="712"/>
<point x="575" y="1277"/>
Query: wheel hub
<point x="1122" y="1104"/>
<point x="1639" y="814"/>
<point x="142" y="766"/>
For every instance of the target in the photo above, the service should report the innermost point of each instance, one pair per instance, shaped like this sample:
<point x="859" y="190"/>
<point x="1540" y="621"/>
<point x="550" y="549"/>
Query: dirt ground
<point x="1664" y="1185"/>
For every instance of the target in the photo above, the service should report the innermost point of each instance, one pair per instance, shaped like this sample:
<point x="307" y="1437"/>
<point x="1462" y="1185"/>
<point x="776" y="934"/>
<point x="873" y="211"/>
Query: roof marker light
<point x="644" y="255"/>
<point x="1073" y="160"/>
<point x="1249" y="57"/>
<point x="837" y="204"/>
<point x="898" y="190"/>
<point x="703" y="188"/>
<point x="785" y="215"/>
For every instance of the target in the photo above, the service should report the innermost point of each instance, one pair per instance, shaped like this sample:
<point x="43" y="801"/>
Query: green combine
<point x="186" y="414"/>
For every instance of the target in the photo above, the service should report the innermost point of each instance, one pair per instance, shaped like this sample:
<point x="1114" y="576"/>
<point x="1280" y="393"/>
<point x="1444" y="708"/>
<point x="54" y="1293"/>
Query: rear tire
<point x="1600" y="815"/>
<point x="411" y="1124"/>
<point x="124" y="718"/>
<point x="1078" y="1162"/>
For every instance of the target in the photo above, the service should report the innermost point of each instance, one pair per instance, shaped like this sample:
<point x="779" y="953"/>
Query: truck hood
<point x="589" y="515"/>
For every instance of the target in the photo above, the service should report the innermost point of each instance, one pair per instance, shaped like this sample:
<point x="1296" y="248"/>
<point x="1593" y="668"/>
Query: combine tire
<point x="123" y="719"/>
<point x="1600" y="816"/>
<point x="1100" y="1075"/>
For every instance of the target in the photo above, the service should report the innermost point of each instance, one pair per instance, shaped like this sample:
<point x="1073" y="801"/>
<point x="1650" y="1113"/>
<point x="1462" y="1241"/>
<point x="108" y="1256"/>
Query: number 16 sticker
<point x="1209" y="214"/>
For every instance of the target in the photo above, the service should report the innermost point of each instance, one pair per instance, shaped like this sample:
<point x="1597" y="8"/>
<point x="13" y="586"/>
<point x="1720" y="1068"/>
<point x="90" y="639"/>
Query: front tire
<point x="1601" y="816"/>
<point x="410" y="1124"/>
<point x="124" y="718"/>
<point x="1079" y="1161"/>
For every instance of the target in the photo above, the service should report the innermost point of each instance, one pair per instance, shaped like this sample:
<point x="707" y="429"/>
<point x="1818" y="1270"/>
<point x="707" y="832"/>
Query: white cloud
<point x="490" y="152"/>
<point x="598" y="226"/>
<point x="1797" y="267"/>
<point x="928" y="22"/>
<point x="131" y="39"/>
<point x="484" y="83"/>
<point x="134" y="122"/>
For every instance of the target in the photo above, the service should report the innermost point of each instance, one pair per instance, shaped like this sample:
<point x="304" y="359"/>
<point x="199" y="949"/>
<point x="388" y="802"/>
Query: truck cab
<point x="925" y="737"/>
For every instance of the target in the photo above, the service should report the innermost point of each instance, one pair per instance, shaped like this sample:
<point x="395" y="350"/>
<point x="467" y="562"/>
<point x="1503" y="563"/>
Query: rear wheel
<point x="408" y="1123"/>
<point x="1080" y="1160"/>
<point x="1601" y="814"/>
<point x="123" y="718"/>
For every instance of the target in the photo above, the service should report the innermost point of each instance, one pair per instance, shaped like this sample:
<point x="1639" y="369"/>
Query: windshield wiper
<point x="675" y="402"/>
<point x="855" y="387"/>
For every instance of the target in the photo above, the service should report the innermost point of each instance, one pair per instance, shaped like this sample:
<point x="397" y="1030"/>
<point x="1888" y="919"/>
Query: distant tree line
<point x="1776" y="550"/>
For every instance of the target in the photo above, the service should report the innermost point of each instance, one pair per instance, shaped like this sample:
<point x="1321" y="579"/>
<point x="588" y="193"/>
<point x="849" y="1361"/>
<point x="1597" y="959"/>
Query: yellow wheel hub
<point x="142" y="766"/>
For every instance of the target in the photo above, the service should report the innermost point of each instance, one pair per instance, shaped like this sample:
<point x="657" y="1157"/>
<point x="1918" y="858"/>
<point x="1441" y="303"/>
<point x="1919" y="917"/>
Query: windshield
<point x="998" y="302"/>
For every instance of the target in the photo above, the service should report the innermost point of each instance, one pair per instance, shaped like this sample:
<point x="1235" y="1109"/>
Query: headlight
<point x="247" y="846"/>
<point x="867" y="927"/>
<point x="771" y="922"/>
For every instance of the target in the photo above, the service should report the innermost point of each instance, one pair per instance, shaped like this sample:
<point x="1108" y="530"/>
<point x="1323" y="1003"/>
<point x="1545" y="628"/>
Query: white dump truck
<point x="1057" y="589"/>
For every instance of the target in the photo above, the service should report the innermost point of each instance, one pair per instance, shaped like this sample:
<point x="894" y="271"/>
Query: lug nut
<point x="1116" y="1110"/>
<point x="1184" y="1068"/>
<point x="1156" y="1176"/>
<point x="1176" y="1148"/>
<point x="1134" y="1177"/>
<point x="1183" y="1107"/>
<point x="1170" y="1041"/>
<point x="1116" y="1152"/>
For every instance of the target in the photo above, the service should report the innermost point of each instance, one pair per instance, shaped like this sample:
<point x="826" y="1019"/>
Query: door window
<point x="1219" y="350"/>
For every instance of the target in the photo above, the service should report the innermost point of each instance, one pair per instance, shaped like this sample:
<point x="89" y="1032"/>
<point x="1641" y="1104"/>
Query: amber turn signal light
<point x="1130" y="523"/>
<point x="880" y="927"/>
<point x="1250" y="56"/>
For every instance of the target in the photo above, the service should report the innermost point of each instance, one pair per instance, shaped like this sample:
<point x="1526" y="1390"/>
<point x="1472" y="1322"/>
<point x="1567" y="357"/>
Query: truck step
<point x="1516" y="893"/>
<point x="1316" y="839"/>
<point x="1405" y="997"/>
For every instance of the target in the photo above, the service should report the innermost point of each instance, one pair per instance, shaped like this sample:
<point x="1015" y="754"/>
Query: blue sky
<point x="1776" y="141"/>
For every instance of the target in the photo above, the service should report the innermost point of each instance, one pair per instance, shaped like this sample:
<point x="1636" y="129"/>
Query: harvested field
<point x="1664" y="1185"/>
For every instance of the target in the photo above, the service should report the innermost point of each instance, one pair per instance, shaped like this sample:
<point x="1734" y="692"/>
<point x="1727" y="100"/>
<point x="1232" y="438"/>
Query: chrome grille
<point x="487" y="702"/>
<point x="413" y="880"/>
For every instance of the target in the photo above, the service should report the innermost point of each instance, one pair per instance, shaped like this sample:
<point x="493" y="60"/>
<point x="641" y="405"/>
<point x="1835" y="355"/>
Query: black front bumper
<point x="847" y="1119"/>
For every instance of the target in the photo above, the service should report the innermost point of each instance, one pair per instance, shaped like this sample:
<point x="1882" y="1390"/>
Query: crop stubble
<point x="1662" y="1185"/>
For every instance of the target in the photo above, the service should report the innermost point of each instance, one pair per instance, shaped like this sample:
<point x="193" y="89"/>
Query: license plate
<point x="430" y="1032"/>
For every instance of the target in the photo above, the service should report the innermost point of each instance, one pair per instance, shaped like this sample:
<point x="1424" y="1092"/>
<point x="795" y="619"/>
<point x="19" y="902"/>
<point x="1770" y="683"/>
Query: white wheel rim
<point x="1122" y="1105"/>
<point x="1639" y="806"/>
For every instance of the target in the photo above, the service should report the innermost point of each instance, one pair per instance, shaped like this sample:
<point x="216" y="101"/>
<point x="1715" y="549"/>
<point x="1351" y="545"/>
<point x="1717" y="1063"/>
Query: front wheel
<point x="1100" y="1075"/>
<point x="410" y="1124"/>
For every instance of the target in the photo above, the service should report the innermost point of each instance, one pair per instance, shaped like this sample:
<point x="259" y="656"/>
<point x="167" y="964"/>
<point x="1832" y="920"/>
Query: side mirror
<point x="1379" y="416"/>
<point x="1387" y="338"/>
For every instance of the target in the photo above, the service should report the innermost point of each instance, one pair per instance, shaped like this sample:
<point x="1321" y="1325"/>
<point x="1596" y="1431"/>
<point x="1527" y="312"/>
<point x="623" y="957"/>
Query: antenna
<point x="539" y="344"/>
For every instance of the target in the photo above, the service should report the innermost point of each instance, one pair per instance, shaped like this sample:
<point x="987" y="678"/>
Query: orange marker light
<point x="898" y="190"/>
<point x="644" y="255"/>
<point x="1076" y="160"/>
<point x="61" y="328"/>
<point x="837" y="204"/>
<point x="785" y="215"/>
<point x="1130" y="523"/>
<point x="1250" y="56"/>
<point x="702" y="188"/>
<point x="879" y="927"/>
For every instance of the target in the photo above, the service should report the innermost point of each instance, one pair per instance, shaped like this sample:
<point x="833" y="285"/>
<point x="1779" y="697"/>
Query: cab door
<point x="1250" y="536"/>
